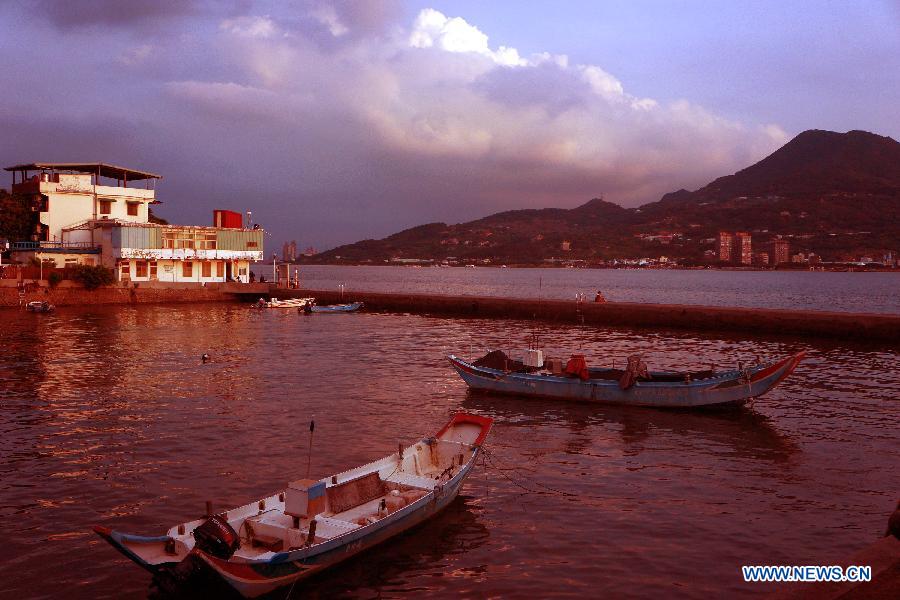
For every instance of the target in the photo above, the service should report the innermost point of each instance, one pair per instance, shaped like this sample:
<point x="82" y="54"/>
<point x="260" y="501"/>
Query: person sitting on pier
<point x="599" y="297"/>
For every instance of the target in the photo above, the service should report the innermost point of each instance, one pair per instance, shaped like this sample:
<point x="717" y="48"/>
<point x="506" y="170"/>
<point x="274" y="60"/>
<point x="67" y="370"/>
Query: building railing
<point x="52" y="245"/>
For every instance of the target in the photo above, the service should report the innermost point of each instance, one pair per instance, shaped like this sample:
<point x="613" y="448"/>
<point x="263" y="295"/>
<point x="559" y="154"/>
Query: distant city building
<point x="762" y="259"/>
<point x="781" y="249"/>
<point x="566" y="246"/>
<point x="726" y="241"/>
<point x="743" y="248"/>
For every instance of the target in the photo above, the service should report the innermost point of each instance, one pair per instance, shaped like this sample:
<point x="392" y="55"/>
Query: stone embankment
<point x="804" y="323"/>
<point x="68" y="293"/>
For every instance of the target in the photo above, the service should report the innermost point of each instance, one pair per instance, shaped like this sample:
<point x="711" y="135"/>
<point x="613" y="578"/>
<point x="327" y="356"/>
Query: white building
<point x="95" y="214"/>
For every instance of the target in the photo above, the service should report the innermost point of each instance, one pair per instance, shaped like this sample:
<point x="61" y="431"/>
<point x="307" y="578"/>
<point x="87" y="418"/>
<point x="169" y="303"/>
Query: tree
<point x="16" y="219"/>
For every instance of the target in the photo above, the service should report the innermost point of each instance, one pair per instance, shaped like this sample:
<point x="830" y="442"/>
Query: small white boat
<point x="312" y="525"/>
<point x="39" y="306"/>
<point x="287" y="303"/>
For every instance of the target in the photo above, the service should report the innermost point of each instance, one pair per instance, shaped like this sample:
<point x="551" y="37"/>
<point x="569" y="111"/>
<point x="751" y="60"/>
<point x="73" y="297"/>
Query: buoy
<point x="205" y="357"/>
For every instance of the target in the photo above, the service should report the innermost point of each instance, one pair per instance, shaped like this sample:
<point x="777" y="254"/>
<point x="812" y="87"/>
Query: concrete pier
<point x="866" y="327"/>
<point x="69" y="293"/>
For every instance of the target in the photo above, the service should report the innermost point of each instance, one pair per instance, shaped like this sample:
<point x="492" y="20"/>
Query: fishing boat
<point x="39" y="306"/>
<point x="312" y="525"/>
<point x="337" y="308"/>
<point x="634" y="385"/>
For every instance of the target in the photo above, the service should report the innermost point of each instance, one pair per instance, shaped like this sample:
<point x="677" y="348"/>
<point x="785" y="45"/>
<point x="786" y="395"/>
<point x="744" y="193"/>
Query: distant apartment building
<point x="726" y="243"/>
<point x="289" y="251"/>
<point x="781" y="250"/>
<point x="743" y="248"/>
<point x="735" y="248"/>
<point x="761" y="259"/>
<point x="99" y="214"/>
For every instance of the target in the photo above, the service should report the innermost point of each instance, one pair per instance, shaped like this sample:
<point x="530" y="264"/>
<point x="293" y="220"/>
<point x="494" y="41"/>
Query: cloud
<point x="69" y="15"/>
<point x="135" y="56"/>
<point x="434" y="29"/>
<point x="335" y="121"/>
<point x="249" y="26"/>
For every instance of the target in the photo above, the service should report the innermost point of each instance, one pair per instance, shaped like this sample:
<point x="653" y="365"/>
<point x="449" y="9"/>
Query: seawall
<point x="839" y="325"/>
<point x="68" y="293"/>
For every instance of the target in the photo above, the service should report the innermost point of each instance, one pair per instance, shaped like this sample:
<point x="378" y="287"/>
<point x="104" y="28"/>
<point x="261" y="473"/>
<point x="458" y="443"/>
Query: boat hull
<point x="338" y="308"/>
<point x="730" y="388"/>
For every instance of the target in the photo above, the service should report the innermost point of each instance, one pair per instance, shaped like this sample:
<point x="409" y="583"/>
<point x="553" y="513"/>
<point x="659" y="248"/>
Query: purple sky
<point x="335" y="121"/>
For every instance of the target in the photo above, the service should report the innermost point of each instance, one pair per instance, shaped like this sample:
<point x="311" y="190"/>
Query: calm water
<point x="108" y="417"/>
<point x="852" y="292"/>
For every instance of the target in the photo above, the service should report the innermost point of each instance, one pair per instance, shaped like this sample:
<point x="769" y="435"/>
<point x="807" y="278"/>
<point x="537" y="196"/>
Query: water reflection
<point x="745" y="432"/>
<point x="108" y="416"/>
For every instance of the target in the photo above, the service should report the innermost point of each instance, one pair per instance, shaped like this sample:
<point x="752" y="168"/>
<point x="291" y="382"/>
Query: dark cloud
<point x="80" y="14"/>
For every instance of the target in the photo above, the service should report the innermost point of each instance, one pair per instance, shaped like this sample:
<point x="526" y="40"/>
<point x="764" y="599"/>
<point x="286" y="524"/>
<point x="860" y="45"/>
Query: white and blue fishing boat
<point x="337" y="308"/>
<point x="631" y="386"/>
<point x="312" y="525"/>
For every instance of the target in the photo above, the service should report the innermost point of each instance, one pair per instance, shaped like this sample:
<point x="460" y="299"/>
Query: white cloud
<point x="327" y="15"/>
<point x="249" y="26"/>
<point x="434" y="29"/>
<point x="136" y="55"/>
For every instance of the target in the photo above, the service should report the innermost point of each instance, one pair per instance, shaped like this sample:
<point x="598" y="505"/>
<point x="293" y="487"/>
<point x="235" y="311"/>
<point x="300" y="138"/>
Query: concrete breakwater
<point x="839" y="325"/>
<point x="68" y="293"/>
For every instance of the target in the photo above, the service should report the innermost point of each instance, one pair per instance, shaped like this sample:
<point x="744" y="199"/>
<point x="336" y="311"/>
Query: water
<point x="877" y="292"/>
<point x="107" y="416"/>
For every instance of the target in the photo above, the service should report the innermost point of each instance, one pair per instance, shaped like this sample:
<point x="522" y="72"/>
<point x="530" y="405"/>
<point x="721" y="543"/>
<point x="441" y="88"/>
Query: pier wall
<point x="69" y="293"/>
<point x="839" y="325"/>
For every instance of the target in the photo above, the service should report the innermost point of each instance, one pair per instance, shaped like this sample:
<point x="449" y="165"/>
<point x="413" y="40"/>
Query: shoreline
<point x="861" y="327"/>
<point x="842" y="268"/>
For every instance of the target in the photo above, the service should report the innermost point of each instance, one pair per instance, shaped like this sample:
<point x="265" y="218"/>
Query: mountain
<point x="833" y="193"/>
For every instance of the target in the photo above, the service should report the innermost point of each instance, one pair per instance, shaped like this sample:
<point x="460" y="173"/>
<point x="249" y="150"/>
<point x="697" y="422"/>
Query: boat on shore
<point x="312" y="525"/>
<point x="337" y="308"/>
<point x="631" y="386"/>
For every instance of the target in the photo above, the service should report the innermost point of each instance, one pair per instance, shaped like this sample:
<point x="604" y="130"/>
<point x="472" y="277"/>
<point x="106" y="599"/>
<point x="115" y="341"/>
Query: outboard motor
<point x="217" y="538"/>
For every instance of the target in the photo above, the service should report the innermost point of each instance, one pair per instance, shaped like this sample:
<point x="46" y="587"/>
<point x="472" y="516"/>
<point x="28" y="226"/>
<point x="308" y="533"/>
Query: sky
<point x="337" y="120"/>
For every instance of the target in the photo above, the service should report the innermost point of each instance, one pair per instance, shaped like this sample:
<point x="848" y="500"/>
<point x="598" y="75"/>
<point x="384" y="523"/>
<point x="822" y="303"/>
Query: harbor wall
<point x="807" y="323"/>
<point x="69" y="293"/>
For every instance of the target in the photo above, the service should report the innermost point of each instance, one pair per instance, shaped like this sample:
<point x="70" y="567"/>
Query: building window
<point x="188" y="238"/>
<point x="152" y="269"/>
<point x="126" y="269"/>
<point x="89" y="262"/>
<point x="140" y="268"/>
<point x="251" y="244"/>
<point x="206" y="268"/>
<point x="133" y="209"/>
<point x="187" y="269"/>
<point x="220" y="268"/>
<point x="105" y="207"/>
